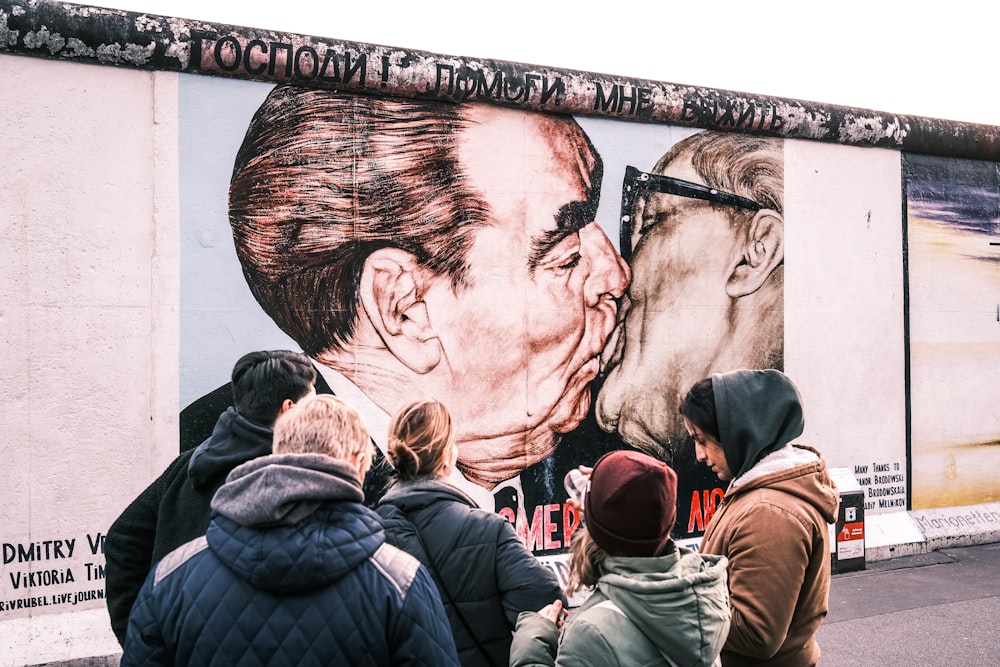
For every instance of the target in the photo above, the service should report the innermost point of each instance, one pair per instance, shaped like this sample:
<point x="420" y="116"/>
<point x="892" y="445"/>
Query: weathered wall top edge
<point x="87" y="34"/>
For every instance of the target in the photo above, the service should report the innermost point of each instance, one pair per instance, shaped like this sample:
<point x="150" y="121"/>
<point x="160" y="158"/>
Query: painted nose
<point x="609" y="274"/>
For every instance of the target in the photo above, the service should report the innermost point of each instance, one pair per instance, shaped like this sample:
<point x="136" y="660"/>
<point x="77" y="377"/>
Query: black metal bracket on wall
<point x="95" y="35"/>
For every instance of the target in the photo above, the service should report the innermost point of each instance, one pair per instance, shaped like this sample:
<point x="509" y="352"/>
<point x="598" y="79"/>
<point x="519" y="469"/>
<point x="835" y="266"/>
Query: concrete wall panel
<point x="91" y="267"/>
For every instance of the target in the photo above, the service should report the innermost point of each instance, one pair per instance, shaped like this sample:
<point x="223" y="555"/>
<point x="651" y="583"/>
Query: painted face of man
<point x="674" y="327"/>
<point x="521" y="338"/>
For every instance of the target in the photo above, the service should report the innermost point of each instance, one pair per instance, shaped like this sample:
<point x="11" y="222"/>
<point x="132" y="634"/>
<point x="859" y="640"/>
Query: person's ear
<point x="361" y="462"/>
<point x="763" y="251"/>
<point x="390" y="292"/>
<point x="450" y="460"/>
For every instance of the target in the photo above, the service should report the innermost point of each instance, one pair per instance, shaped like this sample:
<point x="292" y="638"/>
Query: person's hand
<point x="581" y="475"/>
<point x="555" y="613"/>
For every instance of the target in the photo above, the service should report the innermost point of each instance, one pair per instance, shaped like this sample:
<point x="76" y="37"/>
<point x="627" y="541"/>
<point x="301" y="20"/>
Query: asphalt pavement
<point x="939" y="608"/>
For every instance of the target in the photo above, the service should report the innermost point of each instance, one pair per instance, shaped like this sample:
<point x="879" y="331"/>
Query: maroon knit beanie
<point x="632" y="504"/>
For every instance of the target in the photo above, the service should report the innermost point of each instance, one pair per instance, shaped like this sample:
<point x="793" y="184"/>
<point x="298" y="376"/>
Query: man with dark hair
<point x="421" y="248"/>
<point x="293" y="569"/>
<point x="175" y="508"/>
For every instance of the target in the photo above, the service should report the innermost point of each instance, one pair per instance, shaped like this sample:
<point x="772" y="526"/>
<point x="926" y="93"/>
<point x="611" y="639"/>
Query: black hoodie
<point x="174" y="509"/>
<point x="758" y="412"/>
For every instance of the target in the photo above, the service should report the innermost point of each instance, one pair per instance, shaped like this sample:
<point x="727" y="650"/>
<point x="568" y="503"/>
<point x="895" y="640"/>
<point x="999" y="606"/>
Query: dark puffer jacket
<point x="293" y="570"/>
<point x="489" y="573"/>
<point x="174" y="509"/>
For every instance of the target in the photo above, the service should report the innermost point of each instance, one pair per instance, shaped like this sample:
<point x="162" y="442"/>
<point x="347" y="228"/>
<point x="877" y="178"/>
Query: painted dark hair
<point x="322" y="180"/>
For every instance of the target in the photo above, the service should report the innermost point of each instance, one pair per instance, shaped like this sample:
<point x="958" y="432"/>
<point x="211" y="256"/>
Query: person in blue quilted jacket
<point x="176" y="507"/>
<point x="293" y="569"/>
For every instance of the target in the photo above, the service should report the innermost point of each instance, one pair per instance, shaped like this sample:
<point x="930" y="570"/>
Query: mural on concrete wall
<point x="363" y="227"/>
<point x="419" y="248"/>
<point x="953" y="249"/>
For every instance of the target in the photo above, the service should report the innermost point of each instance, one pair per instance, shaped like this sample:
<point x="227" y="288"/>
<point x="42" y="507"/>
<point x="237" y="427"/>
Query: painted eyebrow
<point x="570" y="219"/>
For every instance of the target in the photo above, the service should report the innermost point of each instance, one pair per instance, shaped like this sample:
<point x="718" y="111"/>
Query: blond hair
<point x="420" y="439"/>
<point x="322" y="424"/>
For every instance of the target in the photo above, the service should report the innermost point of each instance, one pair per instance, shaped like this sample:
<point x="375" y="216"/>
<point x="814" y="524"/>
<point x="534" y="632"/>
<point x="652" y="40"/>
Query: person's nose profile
<point x="609" y="274"/>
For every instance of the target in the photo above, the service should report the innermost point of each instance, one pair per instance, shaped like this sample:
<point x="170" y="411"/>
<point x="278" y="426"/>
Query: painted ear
<point x="390" y="296"/>
<point x="763" y="252"/>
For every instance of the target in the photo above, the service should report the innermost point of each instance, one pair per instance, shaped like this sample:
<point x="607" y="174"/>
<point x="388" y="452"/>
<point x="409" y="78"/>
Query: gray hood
<point x="283" y="489"/>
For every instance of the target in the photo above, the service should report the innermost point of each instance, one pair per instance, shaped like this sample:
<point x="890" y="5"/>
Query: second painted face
<point x="674" y="316"/>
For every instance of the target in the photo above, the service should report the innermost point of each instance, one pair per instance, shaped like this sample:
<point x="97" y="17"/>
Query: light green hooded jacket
<point x="668" y="610"/>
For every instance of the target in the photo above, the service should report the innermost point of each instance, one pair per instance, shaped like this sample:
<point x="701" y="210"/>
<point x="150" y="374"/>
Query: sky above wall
<point x="935" y="59"/>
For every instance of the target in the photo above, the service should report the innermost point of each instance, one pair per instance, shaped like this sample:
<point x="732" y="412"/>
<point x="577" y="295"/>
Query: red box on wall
<point x="847" y="536"/>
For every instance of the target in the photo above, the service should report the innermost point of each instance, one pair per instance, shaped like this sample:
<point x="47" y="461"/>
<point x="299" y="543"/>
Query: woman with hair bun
<point x="485" y="575"/>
